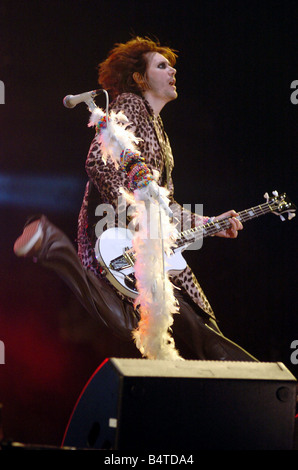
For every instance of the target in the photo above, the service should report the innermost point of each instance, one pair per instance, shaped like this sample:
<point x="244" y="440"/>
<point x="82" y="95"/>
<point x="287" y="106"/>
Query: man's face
<point x="160" y="77"/>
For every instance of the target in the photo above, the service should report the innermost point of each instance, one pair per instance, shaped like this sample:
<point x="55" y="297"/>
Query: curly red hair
<point x="115" y="74"/>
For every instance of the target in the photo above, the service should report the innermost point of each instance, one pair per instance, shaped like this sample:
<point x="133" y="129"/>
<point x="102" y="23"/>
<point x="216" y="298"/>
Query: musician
<point x="141" y="79"/>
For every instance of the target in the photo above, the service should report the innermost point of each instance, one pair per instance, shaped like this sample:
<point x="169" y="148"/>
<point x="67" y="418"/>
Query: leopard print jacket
<point x="105" y="181"/>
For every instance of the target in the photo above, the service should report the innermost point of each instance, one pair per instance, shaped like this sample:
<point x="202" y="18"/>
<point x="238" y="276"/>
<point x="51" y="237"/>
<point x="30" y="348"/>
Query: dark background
<point x="234" y="136"/>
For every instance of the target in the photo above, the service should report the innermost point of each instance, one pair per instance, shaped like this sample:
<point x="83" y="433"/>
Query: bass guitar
<point x="115" y="254"/>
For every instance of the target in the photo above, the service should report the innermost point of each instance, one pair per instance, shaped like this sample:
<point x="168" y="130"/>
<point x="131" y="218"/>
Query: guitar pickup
<point x="127" y="260"/>
<point x="129" y="256"/>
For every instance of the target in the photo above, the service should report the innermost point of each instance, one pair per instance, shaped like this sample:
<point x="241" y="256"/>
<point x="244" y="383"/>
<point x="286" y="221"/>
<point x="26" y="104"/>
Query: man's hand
<point x="236" y="225"/>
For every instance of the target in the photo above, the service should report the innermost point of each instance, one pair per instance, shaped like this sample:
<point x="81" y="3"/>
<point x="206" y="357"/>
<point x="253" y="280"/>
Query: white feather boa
<point x="153" y="239"/>
<point x="156" y="300"/>
<point x="115" y="137"/>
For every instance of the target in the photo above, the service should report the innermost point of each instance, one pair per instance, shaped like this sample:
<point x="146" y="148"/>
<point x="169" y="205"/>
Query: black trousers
<point x="196" y="335"/>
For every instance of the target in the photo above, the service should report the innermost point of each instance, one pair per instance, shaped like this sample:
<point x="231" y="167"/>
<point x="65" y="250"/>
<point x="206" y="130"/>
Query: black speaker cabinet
<point x="146" y="405"/>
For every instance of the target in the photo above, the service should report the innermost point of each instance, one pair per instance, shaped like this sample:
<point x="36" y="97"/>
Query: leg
<point x="198" y="337"/>
<point x="53" y="250"/>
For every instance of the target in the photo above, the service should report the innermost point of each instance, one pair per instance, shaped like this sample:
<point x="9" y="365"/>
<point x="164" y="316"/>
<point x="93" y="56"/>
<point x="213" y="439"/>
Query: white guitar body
<point x="114" y="243"/>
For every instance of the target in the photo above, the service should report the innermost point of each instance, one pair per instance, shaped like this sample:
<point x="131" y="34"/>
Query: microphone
<point x="70" y="101"/>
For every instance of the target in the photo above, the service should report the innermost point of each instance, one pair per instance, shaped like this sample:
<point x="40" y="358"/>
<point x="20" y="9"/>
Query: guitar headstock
<point x="281" y="204"/>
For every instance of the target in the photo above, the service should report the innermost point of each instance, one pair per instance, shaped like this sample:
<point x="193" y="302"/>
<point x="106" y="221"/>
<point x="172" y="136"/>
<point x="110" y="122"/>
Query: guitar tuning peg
<point x="266" y="196"/>
<point x="282" y="218"/>
<point x="291" y="215"/>
<point x="275" y="193"/>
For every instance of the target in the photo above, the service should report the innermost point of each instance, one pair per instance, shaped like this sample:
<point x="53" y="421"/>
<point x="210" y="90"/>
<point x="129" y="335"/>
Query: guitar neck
<point x="244" y="216"/>
<point x="216" y="226"/>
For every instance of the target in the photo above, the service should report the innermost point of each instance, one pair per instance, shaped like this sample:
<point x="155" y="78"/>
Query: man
<point x="141" y="79"/>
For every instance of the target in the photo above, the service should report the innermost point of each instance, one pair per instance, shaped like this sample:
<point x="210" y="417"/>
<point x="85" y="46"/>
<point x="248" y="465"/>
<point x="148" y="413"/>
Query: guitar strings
<point x="212" y="227"/>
